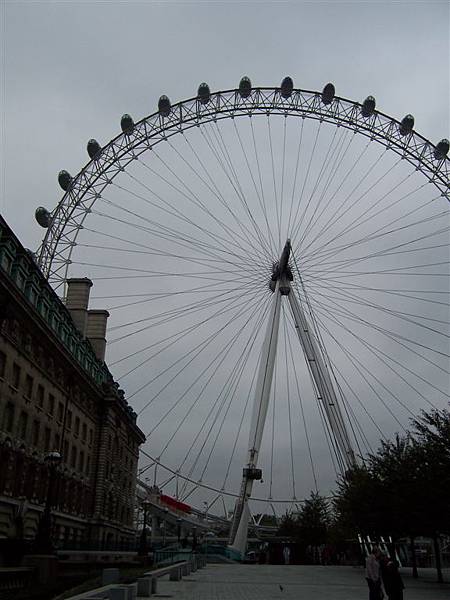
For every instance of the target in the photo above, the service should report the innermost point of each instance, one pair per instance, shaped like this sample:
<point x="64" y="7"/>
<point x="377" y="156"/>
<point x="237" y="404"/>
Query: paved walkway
<point x="262" y="582"/>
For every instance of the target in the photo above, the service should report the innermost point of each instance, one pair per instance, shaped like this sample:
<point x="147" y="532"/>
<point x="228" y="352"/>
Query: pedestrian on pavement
<point x="373" y="574"/>
<point x="393" y="583"/>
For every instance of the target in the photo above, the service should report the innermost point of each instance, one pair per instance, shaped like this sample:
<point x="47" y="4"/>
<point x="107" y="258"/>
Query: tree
<point x="314" y="520"/>
<point x="403" y="489"/>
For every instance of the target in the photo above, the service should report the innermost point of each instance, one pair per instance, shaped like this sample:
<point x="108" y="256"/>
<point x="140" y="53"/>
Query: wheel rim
<point x="322" y="292"/>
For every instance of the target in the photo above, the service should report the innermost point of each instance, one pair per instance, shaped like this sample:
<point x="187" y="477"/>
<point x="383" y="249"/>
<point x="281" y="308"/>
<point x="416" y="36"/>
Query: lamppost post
<point x="143" y="539"/>
<point x="164" y="526"/>
<point x="43" y="541"/>
<point x="179" y="521"/>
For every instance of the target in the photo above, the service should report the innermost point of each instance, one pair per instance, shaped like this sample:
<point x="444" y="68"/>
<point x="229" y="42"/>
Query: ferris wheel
<point x="275" y="262"/>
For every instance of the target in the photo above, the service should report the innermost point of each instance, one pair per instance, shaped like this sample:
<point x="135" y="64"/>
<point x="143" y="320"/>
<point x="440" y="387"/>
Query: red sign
<point x="175" y="504"/>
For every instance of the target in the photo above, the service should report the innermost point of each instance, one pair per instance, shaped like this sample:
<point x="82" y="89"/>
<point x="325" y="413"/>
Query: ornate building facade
<point x="57" y="394"/>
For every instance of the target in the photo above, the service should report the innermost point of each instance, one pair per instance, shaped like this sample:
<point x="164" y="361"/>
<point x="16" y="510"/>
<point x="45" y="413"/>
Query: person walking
<point x="373" y="575"/>
<point x="393" y="582"/>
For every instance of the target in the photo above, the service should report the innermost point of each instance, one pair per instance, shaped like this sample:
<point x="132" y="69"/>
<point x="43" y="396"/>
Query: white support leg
<point x="239" y="527"/>
<point x="322" y="380"/>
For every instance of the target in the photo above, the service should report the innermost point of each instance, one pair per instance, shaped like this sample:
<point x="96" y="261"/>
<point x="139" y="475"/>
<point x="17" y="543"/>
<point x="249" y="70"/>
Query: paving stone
<point x="278" y="582"/>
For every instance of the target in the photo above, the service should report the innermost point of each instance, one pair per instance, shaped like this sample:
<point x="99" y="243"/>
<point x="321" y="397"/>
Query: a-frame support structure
<point x="281" y="286"/>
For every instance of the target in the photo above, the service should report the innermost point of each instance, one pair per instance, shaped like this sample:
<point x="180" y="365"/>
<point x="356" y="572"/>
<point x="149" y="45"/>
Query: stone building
<point x="57" y="394"/>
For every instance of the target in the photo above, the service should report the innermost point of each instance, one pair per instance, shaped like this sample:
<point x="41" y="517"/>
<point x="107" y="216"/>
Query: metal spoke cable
<point x="164" y="232"/>
<point x="180" y="333"/>
<point x="231" y="392"/>
<point x="269" y="231"/>
<point x="380" y="234"/>
<point x="224" y="243"/>
<point x="376" y="351"/>
<point x="360" y="367"/>
<point x="294" y="183"/>
<point x="178" y="336"/>
<point x="224" y="397"/>
<point x="387" y="332"/>
<point x="339" y="212"/>
<point x="323" y="348"/>
<point x="258" y="194"/>
<point x="302" y="411"/>
<point x="199" y="347"/>
<point x="335" y="169"/>
<point x="295" y="226"/>
<point x="151" y="249"/>
<point x="326" y="163"/>
<point x="258" y="240"/>
<point x="372" y="216"/>
<point x="390" y="251"/>
<point x="283" y="165"/>
<point x="183" y="310"/>
<point x="350" y="298"/>
<point x="344" y="180"/>
<point x="265" y="246"/>
<point x="195" y="199"/>
<point x="275" y="194"/>
<point x="212" y="186"/>
<point x="218" y="358"/>
<point x="359" y="220"/>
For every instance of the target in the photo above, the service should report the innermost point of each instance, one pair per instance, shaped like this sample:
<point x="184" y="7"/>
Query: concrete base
<point x="45" y="565"/>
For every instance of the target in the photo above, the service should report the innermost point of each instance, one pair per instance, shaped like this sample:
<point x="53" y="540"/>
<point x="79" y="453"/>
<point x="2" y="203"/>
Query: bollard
<point x="110" y="576"/>
<point x="144" y="587"/>
<point x="118" y="593"/>
<point x="154" y="585"/>
<point x="131" y="590"/>
<point x="174" y="574"/>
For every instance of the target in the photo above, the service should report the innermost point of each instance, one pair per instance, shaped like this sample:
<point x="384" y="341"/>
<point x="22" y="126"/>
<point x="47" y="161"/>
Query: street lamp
<point x="179" y="521"/>
<point x="164" y="525"/>
<point x="43" y="541"/>
<point x="143" y="539"/>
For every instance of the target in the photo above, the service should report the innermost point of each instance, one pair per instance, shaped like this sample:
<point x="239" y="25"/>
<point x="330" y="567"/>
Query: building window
<point x="84" y="432"/>
<point x="73" y="457"/>
<point x="91" y="436"/>
<point x="51" y="404"/>
<point x="2" y="364"/>
<point x="81" y="462"/>
<point x="16" y="376"/>
<point x="47" y="435"/>
<point x="28" y="386"/>
<point x="60" y="411"/>
<point x="23" y="425"/>
<point x="77" y="426"/>
<point x="9" y="417"/>
<point x="35" y="434"/>
<point x="69" y="419"/>
<point x="40" y="396"/>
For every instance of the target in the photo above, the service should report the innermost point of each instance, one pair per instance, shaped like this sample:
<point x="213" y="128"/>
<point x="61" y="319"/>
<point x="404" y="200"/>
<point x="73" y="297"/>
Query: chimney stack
<point x="77" y="300"/>
<point x="96" y="331"/>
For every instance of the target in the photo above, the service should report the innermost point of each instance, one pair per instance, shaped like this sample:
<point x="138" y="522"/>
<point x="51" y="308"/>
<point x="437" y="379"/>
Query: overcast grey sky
<point x="71" y="69"/>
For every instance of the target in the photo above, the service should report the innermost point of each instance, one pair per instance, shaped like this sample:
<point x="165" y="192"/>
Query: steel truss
<point x="322" y="381"/>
